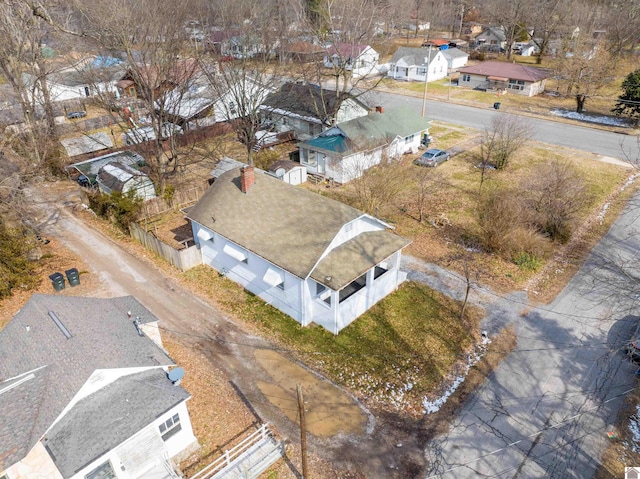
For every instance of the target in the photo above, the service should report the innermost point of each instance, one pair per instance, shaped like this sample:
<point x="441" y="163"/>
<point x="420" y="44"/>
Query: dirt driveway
<point x="342" y="431"/>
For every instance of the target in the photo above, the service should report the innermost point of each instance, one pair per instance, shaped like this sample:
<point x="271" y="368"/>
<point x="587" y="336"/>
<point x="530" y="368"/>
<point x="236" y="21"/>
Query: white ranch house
<point x="361" y="60"/>
<point x="313" y="258"/>
<point x="70" y="408"/>
<point x="505" y="77"/>
<point x="456" y="58"/>
<point x="417" y="64"/>
<point x="344" y="152"/>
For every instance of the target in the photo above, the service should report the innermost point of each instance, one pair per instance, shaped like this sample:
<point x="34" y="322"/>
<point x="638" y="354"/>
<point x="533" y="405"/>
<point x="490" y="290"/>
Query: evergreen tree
<point x="628" y="103"/>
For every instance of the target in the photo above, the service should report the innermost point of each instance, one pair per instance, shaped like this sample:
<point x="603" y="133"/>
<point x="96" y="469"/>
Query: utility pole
<point x="303" y="432"/>
<point x="426" y="81"/>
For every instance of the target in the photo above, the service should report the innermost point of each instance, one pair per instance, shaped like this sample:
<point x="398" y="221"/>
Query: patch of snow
<point x="634" y="428"/>
<point x="429" y="407"/>
<point x="603" y="212"/>
<point x="629" y="182"/>
<point x="599" y="119"/>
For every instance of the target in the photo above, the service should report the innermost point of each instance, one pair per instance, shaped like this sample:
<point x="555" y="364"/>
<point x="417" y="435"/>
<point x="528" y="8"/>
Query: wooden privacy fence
<point x="183" y="259"/>
<point x="180" y="199"/>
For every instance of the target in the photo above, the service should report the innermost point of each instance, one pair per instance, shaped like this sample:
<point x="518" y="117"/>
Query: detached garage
<point x="122" y="178"/>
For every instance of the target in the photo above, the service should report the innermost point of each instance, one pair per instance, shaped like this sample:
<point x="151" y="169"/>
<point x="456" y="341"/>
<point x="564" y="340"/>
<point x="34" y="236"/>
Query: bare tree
<point x="428" y="182"/>
<point x="377" y="186"/>
<point x="511" y="16"/>
<point x="506" y="135"/>
<point x="584" y="66"/>
<point x="556" y="195"/>
<point x="547" y="20"/>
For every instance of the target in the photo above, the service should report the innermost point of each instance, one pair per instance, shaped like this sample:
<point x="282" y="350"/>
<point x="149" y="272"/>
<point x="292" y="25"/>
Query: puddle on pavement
<point x="328" y="410"/>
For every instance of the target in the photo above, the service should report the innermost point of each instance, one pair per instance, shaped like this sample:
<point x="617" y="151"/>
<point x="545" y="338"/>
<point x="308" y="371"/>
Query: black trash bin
<point x="57" y="281"/>
<point x="496" y="105"/>
<point x="73" y="277"/>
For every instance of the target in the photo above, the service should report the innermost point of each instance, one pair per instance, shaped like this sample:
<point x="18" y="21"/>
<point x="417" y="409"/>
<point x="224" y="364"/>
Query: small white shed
<point x="289" y="172"/>
<point x="118" y="177"/>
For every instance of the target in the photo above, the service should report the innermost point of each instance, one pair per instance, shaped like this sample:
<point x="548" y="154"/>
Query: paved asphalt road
<point x="582" y="138"/>
<point x="545" y="411"/>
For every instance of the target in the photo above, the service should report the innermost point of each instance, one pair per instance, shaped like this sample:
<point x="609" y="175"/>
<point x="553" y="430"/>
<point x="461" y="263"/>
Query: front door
<point x="321" y="164"/>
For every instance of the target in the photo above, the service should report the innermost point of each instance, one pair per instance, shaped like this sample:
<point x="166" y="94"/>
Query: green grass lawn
<point x="394" y="354"/>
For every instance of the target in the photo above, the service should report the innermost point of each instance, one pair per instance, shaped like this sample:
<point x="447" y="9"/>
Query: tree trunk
<point x="580" y="101"/>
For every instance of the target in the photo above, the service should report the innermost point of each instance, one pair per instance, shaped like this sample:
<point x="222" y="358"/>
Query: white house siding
<point x="146" y="447"/>
<point x="410" y="144"/>
<point x="480" y="81"/>
<point x="403" y="71"/>
<point x="350" y="110"/>
<point x="36" y="465"/>
<point x="250" y="275"/>
<point x="353" y="166"/>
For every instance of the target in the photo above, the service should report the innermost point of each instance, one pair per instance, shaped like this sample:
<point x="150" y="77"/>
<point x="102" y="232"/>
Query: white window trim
<point x="204" y="235"/>
<point x="235" y="253"/>
<point x="274" y="278"/>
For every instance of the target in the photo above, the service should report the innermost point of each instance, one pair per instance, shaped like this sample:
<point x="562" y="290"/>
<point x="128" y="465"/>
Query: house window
<point x="103" y="471"/>
<point x="308" y="157"/>
<point x="274" y="278"/>
<point x="353" y="287"/>
<point x="516" y="85"/>
<point x="381" y="269"/>
<point x="409" y="139"/>
<point x="170" y="427"/>
<point x="422" y="71"/>
<point x="235" y="253"/>
<point x="232" y="108"/>
<point x="466" y="77"/>
<point x="323" y="293"/>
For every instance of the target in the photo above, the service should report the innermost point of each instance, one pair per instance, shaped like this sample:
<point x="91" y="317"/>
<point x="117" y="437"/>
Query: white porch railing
<point x="234" y="455"/>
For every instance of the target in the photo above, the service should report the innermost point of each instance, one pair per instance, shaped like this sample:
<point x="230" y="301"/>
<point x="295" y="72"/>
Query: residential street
<point x="546" y="410"/>
<point x="571" y="136"/>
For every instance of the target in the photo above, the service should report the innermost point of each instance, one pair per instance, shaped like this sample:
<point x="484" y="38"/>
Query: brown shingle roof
<point x="512" y="71"/>
<point x="291" y="227"/>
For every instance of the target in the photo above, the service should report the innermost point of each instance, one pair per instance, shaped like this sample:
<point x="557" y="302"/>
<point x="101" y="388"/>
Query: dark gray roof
<point x="115" y="175"/>
<point x="50" y="369"/>
<point x="414" y="56"/>
<point x="290" y="227"/>
<point x="90" y="168"/>
<point x="308" y="100"/>
<point x="224" y="165"/>
<point x="117" y="411"/>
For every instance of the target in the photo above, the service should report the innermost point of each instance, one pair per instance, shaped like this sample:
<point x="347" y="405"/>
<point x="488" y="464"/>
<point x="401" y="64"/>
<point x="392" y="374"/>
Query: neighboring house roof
<point x="393" y="122"/>
<point x="87" y="431"/>
<point x="308" y="101"/>
<point x="115" y="175"/>
<point x="90" y="168"/>
<point x="224" y="165"/>
<point x="512" y="71"/>
<point x="286" y="165"/>
<point x="438" y="42"/>
<point x="414" y="56"/>
<point x="41" y="370"/>
<point x="86" y="144"/>
<point x="454" y="53"/>
<point x="347" y="50"/>
<point x="303" y="48"/>
<point x="290" y="227"/>
<point x="185" y="105"/>
<point x="497" y="32"/>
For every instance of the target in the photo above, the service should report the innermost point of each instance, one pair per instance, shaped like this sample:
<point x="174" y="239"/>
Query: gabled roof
<point x="288" y="226"/>
<point x="414" y="56"/>
<point x="497" y="32"/>
<point x="512" y="71"/>
<point x="41" y="370"/>
<point x="454" y="53"/>
<point x="90" y="168"/>
<point x="309" y="101"/>
<point x="347" y="50"/>
<point x="87" y="431"/>
<point x="115" y="175"/>
<point x="393" y="122"/>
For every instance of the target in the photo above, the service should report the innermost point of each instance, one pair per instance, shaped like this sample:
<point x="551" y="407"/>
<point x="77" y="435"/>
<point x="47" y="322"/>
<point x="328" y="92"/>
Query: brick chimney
<point x="247" y="178"/>
<point x="380" y="109"/>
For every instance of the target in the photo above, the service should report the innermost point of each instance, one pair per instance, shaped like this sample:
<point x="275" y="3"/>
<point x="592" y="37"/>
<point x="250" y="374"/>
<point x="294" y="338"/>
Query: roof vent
<point x="175" y="376"/>
<point x="61" y="326"/>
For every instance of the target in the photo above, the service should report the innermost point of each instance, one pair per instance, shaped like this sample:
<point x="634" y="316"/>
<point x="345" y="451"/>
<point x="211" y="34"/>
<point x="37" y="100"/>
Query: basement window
<point x="170" y="427"/>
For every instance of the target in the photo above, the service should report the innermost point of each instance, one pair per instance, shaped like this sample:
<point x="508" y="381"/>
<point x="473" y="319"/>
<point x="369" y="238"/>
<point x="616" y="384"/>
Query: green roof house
<point x="344" y="152"/>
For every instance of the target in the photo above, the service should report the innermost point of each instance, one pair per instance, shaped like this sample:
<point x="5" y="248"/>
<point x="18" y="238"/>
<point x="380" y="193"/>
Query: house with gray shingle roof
<point x="417" y="64"/>
<point x="502" y="76"/>
<point x="313" y="258"/>
<point x="455" y="57"/>
<point x="344" y="152"/>
<point x="84" y="392"/>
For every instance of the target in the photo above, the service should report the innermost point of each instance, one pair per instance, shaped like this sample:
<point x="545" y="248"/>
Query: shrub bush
<point x="118" y="208"/>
